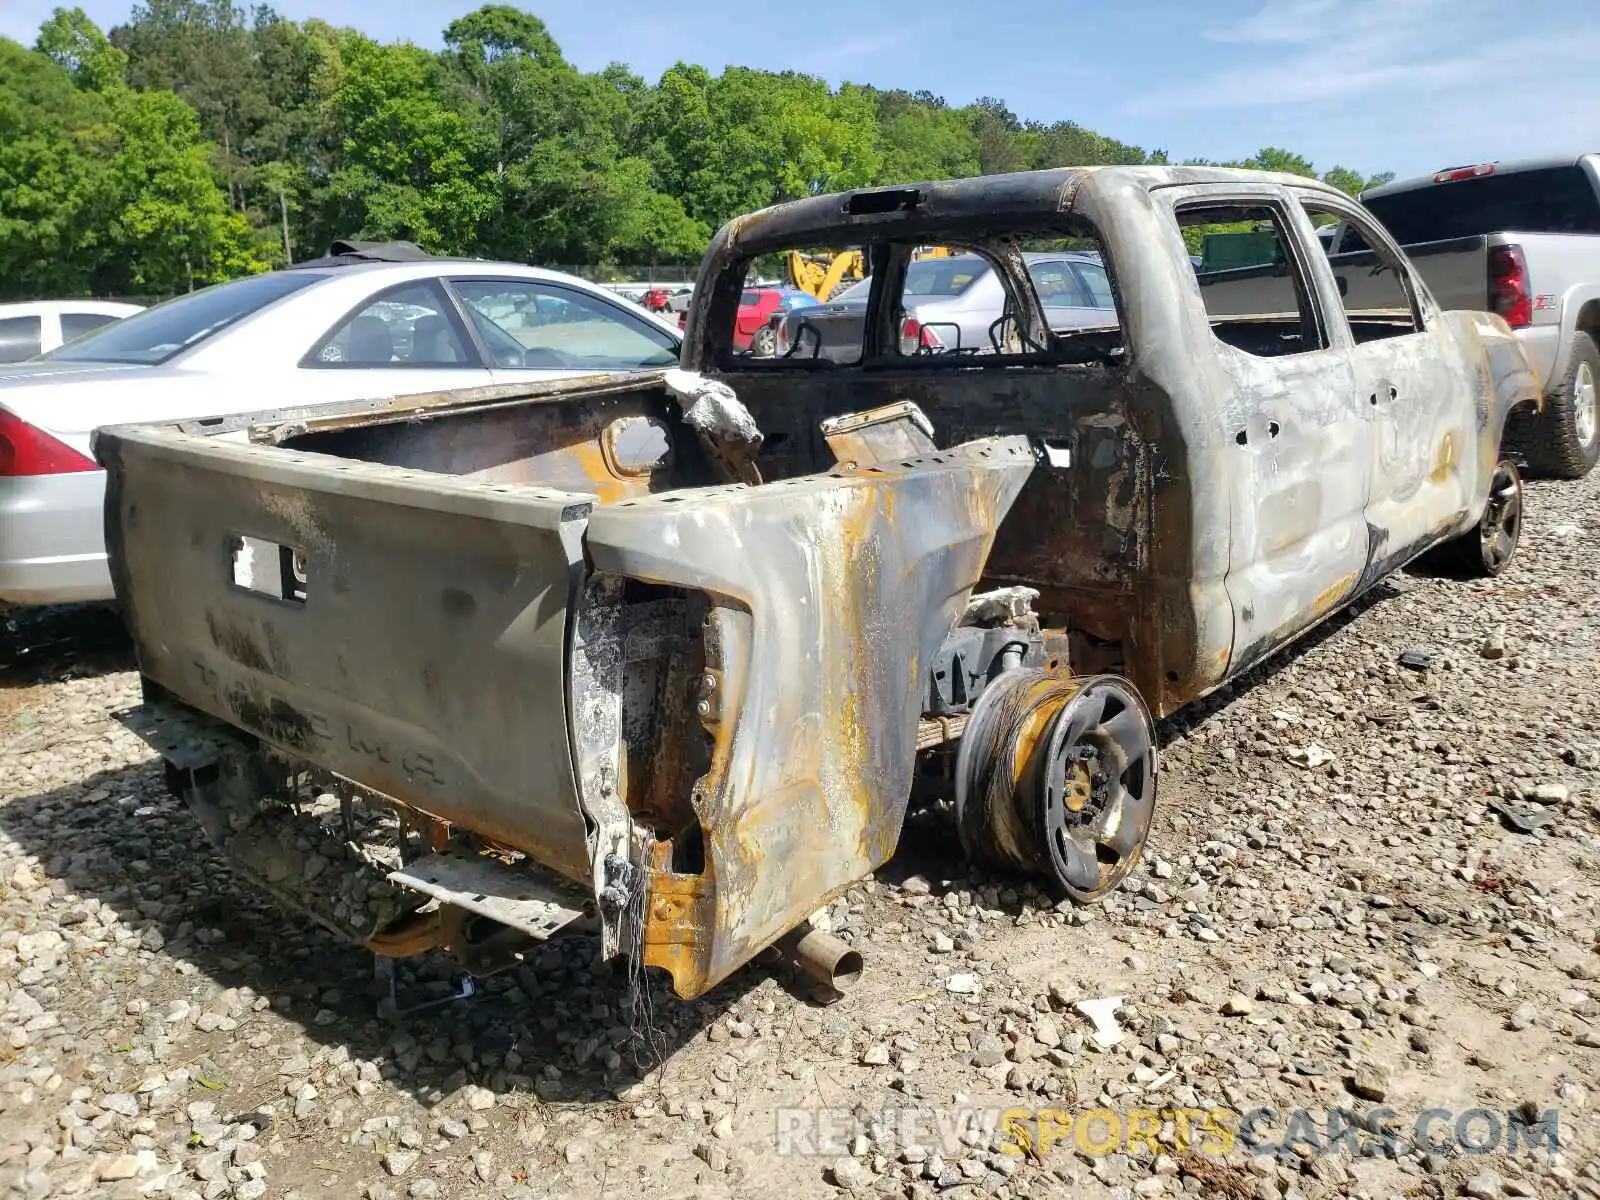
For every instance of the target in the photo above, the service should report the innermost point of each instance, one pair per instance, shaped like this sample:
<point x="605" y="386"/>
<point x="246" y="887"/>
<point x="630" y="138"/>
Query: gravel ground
<point x="1335" y="913"/>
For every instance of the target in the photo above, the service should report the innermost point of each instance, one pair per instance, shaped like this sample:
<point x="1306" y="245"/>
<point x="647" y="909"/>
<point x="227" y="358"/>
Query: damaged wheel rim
<point x="1058" y="777"/>
<point x="1096" y="792"/>
<point x="1501" y="526"/>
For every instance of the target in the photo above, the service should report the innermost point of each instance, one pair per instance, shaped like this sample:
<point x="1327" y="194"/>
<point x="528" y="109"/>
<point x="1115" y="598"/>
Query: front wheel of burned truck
<point x="1057" y="777"/>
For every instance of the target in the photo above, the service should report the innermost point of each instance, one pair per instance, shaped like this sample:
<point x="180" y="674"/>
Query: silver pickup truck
<point x="1521" y="239"/>
<point x="673" y="653"/>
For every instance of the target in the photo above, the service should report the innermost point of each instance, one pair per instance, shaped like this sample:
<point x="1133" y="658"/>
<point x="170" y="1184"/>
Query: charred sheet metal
<point x="425" y="700"/>
<point x="828" y="596"/>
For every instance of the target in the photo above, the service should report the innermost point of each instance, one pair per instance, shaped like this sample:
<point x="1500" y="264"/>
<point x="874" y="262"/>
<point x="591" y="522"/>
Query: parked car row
<point x="953" y="305"/>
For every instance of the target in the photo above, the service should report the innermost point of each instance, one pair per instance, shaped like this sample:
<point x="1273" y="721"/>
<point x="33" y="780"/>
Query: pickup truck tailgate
<point x="401" y="628"/>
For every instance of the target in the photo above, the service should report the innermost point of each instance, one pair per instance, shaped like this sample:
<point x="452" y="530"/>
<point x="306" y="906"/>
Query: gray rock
<point x="850" y="1174"/>
<point x="1550" y="793"/>
<point x="988" y="1050"/>
<point x="1369" y="1081"/>
<point x="124" y="1166"/>
<point x="398" y="1162"/>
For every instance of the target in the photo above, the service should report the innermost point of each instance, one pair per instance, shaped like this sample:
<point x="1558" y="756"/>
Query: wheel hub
<point x="1585" y="404"/>
<point x="1058" y="777"/>
<point x="1501" y="526"/>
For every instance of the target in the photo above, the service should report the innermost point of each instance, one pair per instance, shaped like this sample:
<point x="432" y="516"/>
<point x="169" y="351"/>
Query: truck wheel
<point x="1488" y="548"/>
<point x="1565" y="441"/>
<point x="1057" y="777"/>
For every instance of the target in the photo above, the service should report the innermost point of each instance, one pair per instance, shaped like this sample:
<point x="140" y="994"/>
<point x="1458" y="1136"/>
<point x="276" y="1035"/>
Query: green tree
<point x="201" y="49"/>
<point x="747" y="139"/>
<point x="104" y="189"/>
<point x="74" y="42"/>
<point x="1271" y="158"/>
<point x="170" y="228"/>
<point x="1001" y="145"/>
<point x="920" y="137"/>
<point x="413" y="166"/>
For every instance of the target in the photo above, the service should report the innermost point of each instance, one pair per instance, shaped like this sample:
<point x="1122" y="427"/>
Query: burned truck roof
<point x="994" y="202"/>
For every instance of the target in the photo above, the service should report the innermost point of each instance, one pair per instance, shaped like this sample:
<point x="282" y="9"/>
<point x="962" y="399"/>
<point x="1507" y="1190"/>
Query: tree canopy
<point x="200" y="141"/>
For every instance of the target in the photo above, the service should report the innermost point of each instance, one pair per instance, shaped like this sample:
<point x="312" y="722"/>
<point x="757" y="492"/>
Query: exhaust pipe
<point x="822" y="956"/>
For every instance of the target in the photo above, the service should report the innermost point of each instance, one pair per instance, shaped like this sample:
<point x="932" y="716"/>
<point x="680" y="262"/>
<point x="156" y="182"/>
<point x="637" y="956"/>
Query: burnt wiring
<point x="630" y="883"/>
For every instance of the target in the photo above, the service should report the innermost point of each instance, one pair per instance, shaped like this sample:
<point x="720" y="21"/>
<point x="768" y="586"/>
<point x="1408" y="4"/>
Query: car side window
<point x="406" y="326"/>
<point x="1251" y="279"/>
<point x="20" y="338"/>
<point x="1373" y="282"/>
<point x="1096" y="282"/>
<point x="1056" y="284"/>
<point x="76" y="324"/>
<point x="527" y="323"/>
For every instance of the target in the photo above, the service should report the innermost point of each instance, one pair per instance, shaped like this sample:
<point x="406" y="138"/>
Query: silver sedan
<point x="335" y="331"/>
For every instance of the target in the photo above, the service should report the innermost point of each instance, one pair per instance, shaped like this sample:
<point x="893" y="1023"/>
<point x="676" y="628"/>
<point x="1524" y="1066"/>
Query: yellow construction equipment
<point x="822" y="274"/>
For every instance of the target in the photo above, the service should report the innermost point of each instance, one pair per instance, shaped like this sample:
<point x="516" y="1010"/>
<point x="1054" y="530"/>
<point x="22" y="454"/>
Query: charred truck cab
<point x="671" y="655"/>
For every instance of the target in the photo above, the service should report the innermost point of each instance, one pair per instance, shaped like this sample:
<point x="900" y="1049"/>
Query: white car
<point x="42" y="325"/>
<point x="341" y="329"/>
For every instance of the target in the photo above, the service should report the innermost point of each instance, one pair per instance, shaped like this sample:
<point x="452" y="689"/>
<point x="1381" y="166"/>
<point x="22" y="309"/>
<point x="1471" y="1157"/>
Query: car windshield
<point x="159" y="333"/>
<point x="943" y="276"/>
<point x="1552" y="200"/>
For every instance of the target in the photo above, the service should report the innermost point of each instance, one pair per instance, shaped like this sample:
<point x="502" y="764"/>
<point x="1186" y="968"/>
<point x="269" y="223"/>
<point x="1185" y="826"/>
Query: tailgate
<point x="1456" y="271"/>
<point x="404" y="629"/>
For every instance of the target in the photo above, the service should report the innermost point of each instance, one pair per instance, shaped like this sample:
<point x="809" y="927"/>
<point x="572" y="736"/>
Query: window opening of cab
<point x="805" y="303"/>
<point x="951" y="298"/>
<point x="1254" y="287"/>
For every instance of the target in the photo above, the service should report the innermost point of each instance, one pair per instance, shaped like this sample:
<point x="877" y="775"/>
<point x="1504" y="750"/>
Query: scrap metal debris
<point x="720" y="420"/>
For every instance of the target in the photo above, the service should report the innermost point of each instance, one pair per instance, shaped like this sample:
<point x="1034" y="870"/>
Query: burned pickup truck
<point x="669" y="655"/>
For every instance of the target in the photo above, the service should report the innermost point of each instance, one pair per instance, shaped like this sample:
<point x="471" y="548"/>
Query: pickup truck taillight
<point x="1509" y="293"/>
<point x="25" y="450"/>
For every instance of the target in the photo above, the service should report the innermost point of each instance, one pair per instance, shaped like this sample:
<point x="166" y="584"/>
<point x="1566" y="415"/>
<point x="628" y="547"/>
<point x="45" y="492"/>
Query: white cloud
<point x="1280" y="21"/>
<point x="1405" y="84"/>
<point x="1428" y="55"/>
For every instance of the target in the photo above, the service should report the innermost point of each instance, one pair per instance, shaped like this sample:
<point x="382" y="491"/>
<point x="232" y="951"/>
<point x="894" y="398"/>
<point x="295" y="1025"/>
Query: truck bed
<point x="497" y="614"/>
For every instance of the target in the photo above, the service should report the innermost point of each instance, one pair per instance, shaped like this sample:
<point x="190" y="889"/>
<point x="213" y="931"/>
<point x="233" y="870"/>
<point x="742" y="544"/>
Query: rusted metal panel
<point x="432" y="602"/>
<point x="828" y="595"/>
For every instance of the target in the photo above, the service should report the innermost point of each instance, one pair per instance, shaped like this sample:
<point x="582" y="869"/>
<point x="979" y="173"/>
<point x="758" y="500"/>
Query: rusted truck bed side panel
<point x="830" y="594"/>
<point x="432" y="604"/>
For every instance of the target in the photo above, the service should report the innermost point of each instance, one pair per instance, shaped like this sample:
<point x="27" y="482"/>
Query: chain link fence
<point x="637" y="275"/>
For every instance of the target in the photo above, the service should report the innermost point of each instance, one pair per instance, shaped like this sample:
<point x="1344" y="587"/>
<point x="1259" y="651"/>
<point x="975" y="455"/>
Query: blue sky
<point x="1400" y="85"/>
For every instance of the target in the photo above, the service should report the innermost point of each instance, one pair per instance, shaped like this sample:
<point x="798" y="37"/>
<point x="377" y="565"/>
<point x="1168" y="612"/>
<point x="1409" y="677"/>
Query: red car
<point x="756" y="306"/>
